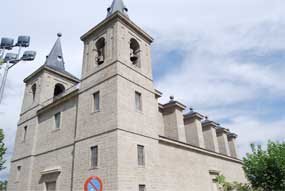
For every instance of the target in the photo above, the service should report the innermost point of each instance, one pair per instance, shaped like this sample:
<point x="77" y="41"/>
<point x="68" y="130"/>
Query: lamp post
<point x="11" y="59"/>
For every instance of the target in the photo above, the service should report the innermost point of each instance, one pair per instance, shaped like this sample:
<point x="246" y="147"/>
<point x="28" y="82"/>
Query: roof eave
<point x="120" y="16"/>
<point x="44" y="67"/>
<point x="210" y="124"/>
<point x="193" y="115"/>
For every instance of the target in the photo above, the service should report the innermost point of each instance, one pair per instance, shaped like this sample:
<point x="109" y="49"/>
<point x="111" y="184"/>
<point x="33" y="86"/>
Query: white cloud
<point x="255" y="131"/>
<point x="212" y="80"/>
<point x="220" y="81"/>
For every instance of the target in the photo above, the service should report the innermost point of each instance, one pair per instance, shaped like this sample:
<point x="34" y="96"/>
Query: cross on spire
<point x="117" y="5"/>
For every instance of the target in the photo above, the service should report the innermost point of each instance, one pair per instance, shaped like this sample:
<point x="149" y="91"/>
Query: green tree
<point x="232" y="186"/>
<point x="3" y="185"/>
<point x="1" y="62"/>
<point x="3" y="150"/>
<point x="265" y="169"/>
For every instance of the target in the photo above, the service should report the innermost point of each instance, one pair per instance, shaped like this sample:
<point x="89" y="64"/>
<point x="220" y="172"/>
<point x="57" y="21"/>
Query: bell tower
<point x="50" y="80"/>
<point x="117" y="39"/>
<point x="117" y="60"/>
<point x="117" y="99"/>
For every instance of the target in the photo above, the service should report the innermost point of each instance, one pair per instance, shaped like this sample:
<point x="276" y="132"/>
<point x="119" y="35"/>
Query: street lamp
<point x="29" y="55"/>
<point x="23" y="41"/>
<point x="7" y="43"/>
<point x="11" y="59"/>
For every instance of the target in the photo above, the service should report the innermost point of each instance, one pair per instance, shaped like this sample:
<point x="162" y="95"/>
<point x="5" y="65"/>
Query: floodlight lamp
<point x="11" y="58"/>
<point x="7" y="43"/>
<point x="23" y="41"/>
<point x="29" y="56"/>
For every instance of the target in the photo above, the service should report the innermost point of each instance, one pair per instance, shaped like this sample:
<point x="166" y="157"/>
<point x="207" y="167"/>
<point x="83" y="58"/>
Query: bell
<point x="100" y="60"/>
<point x="134" y="57"/>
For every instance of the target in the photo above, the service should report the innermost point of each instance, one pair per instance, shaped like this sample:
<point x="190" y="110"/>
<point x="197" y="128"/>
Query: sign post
<point x="94" y="183"/>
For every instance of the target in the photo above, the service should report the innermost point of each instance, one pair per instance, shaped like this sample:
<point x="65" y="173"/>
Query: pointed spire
<point x="55" y="57"/>
<point x="117" y="5"/>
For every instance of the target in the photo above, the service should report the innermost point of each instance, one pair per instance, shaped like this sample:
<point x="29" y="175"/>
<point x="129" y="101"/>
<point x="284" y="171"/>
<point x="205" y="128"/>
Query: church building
<point x="109" y="123"/>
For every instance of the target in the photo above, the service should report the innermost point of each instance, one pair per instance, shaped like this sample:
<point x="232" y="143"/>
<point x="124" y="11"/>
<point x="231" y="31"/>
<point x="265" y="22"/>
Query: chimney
<point x="193" y="129"/>
<point x="222" y="135"/>
<point x="210" y="135"/>
<point x="173" y="120"/>
<point x="232" y="144"/>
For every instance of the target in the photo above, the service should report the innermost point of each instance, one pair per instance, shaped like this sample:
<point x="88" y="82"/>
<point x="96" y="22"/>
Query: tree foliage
<point x="235" y="186"/>
<point x="266" y="168"/>
<point x="3" y="150"/>
<point x="3" y="185"/>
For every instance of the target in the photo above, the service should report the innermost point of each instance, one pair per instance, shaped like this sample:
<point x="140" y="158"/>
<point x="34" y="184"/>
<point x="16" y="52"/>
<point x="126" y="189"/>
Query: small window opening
<point x="141" y="155"/>
<point x="214" y="174"/>
<point x="34" y="90"/>
<point x="138" y="101"/>
<point x="100" y="48"/>
<point x="25" y="133"/>
<point x="96" y="102"/>
<point x="94" y="156"/>
<point x="18" y="175"/>
<point x="59" y="58"/>
<point x="135" y="52"/>
<point x="58" y="89"/>
<point x="126" y="10"/>
<point x="57" y="120"/>
<point x="51" y="186"/>
<point x="141" y="187"/>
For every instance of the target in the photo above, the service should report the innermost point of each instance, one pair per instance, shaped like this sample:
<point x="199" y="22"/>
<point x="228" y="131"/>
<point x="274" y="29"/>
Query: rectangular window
<point x="141" y="155"/>
<point x="50" y="186"/>
<point x="94" y="157"/>
<point x="214" y="174"/>
<point x="18" y="175"/>
<point x="141" y="187"/>
<point x="138" y="101"/>
<point x="57" y="120"/>
<point x="25" y="133"/>
<point x="215" y="186"/>
<point x="96" y="102"/>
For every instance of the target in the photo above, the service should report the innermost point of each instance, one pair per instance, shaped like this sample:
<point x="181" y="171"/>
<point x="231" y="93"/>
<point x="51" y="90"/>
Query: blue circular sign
<point x="93" y="183"/>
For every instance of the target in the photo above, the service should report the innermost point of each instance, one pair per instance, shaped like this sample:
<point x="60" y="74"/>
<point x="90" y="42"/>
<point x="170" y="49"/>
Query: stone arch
<point x="58" y="89"/>
<point x="135" y="52"/>
<point x="100" y="48"/>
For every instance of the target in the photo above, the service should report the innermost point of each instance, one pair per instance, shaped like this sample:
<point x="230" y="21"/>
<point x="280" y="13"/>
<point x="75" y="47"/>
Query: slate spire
<point x="55" y="57"/>
<point x="117" y="5"/>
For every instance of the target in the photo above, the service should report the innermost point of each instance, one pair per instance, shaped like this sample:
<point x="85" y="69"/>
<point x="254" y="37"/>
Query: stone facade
<point x="182" y="150"/>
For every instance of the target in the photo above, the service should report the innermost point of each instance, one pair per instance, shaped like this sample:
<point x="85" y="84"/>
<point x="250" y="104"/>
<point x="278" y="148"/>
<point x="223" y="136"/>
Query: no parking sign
<point x="93" y="183"/>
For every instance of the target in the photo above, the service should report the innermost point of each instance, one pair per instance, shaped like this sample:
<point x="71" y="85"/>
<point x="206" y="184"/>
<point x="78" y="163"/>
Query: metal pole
<point x="2" y="53"/>
<point x="4" y="79"/>
<point x="19" y="52"/>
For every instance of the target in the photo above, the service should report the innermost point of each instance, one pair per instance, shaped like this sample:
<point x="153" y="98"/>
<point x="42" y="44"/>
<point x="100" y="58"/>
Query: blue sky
<point x="223" y="58"/>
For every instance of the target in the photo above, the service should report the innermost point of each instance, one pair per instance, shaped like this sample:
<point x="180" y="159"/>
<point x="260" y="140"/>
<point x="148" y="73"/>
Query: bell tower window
<point x="135" y="52"/>
<point x="100" y="49"/>
<point x="58" y="89"/>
